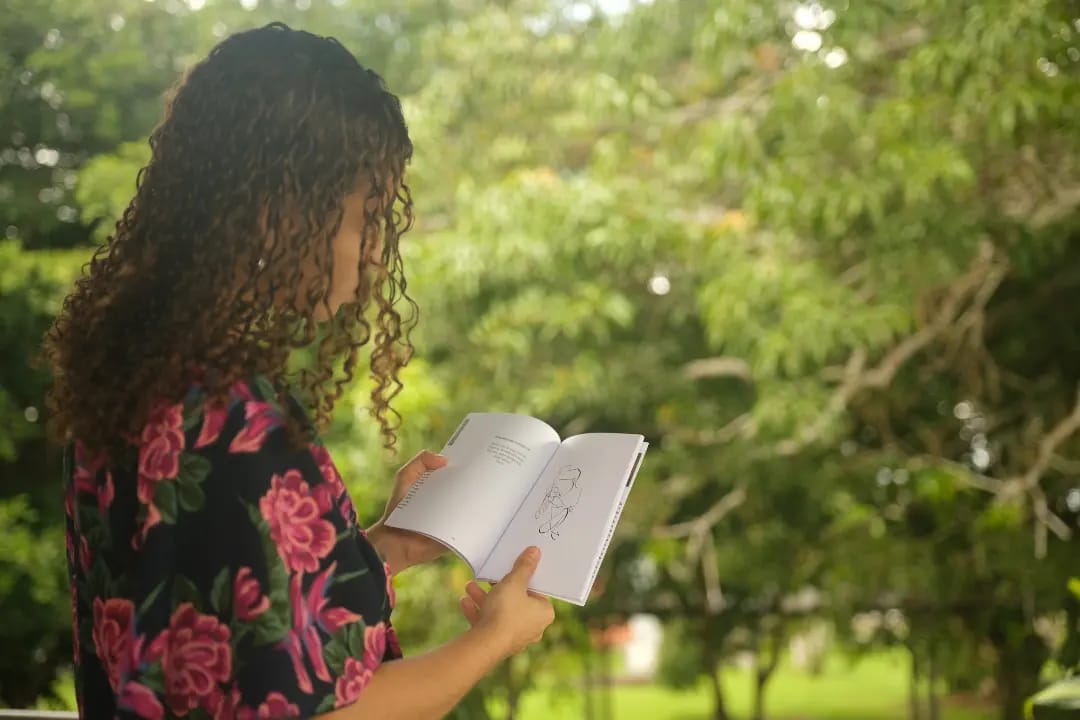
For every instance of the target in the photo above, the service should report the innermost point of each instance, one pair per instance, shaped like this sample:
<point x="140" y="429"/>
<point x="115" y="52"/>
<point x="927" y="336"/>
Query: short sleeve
<point x="263" y="597"/>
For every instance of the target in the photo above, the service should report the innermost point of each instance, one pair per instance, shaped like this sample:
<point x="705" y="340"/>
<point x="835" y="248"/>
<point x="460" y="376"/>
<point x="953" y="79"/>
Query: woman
<point x="216" y="565"/>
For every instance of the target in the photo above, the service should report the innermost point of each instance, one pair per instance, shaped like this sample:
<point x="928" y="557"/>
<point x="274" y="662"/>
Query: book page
<point x="494" y="459"/>
<point x="567" y="513"/>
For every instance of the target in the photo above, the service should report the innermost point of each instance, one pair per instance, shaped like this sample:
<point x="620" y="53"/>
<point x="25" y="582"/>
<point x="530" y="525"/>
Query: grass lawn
<point x="874" y="688"/>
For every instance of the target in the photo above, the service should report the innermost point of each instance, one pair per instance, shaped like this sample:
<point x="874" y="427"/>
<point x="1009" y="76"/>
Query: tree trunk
<point x="763" y="673"/>
<point x="609" y="684"/>
<point x="932" y="699"/>
<point x="760" y="681"/>
<point x="914" y="706"/>
<point x="719" y="709"/>
<point x="587" y="659"/>
<point x="712" y="661"/>
<point x="1020" y="658"/>
<point x="1016" y="683"/>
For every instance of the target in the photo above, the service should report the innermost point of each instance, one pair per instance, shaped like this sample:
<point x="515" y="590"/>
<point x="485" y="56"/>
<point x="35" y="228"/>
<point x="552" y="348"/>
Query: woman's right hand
<point x="509" y="613"/>
<point x="504" y="621"/>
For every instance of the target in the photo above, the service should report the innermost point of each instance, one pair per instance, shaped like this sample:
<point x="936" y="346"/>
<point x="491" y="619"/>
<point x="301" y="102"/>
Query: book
<point x="511" y="482"/>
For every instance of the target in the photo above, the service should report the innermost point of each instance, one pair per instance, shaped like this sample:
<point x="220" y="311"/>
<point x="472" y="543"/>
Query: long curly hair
<point x="259" y="145"/>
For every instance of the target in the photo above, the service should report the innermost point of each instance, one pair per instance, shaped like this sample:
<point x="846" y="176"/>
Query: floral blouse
<point x="219" y="572"/>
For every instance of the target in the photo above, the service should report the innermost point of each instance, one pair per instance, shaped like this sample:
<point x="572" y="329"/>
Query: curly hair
<point x="259" y="145"/>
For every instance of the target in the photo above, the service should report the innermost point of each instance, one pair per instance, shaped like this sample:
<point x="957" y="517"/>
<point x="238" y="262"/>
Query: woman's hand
<point x="510" y="614"/>
<point x="429" y="685"/>
<point x="402" y="548"/>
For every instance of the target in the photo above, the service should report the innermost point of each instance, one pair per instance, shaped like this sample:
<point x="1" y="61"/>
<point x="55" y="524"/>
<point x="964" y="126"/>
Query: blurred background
<point x="825" y="256"/>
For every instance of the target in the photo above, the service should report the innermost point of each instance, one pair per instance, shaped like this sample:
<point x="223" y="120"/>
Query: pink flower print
<point x="296" y="526"/>
<point x="247" y="596"/>
<point x="348" y="512"/>
<point x="241" y="390"/>
<point x="70" y="543"/>
<point x="374" y="645"/>
<point x="260" y="417"/>
<point x="75" y="622"/>
<point x="141" y="700"/>
<point x="214" y="416"/>
<point x="86" y="468"/>
<point x="113" y="636"/>
<point x="328" y="469"/>
<point x="334" y="486"/>
<point x="389" y="585"/>
<point x="351" y="682"/>
<point x="324" y="497"/>
<point x="304" y="637"/>
<point x="162" y="442"/>
<point x="392" y="642"/>
<point x="227" y="706"/>
<point x="276" y="706"/>
<point x="195" y="656"/>
<point x="294" y="646"/>
<point x="330" y="619"/>
<point x="153" y="517"/>
<point x="106" y="493"/>
<point x="85" y="556"/>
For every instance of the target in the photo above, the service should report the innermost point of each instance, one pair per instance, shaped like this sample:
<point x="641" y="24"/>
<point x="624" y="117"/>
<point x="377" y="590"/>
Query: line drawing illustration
<point x="561" y="498"/>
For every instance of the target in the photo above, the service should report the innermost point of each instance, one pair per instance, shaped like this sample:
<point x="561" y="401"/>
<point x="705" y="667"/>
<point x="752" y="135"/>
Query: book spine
<point x="607" y="541"/>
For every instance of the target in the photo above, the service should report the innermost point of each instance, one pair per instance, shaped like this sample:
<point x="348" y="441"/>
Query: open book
<point x="511" y="483"/>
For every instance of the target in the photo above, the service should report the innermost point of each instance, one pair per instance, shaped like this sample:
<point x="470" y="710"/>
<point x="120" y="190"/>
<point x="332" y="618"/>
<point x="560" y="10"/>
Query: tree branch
<point x="714" y="594"/>
<point x="855" y="378"/>
<point x="775" y="651"/>
<point x="701" y="546"/>
<point x="967" y="475"/>
<point x="1065" y="202"/>
<point x="709" y="436"/>
<point x="1047" y="521"/>
<point x="1065" y="465"/>
<point x="1049" y="445"/>
<point x="705" y="522"/>
<point x="751" y="94"/>
<point x="722" y="366"/>
<point x="1028" y="482"/>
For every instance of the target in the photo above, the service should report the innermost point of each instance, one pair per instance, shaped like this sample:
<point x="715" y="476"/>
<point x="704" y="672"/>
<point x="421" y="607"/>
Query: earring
<point x="261" y="264"/>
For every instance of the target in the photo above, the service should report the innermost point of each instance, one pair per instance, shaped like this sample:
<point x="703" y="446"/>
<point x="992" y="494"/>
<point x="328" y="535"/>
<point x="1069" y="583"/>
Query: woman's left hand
<point x="404" y="548"/>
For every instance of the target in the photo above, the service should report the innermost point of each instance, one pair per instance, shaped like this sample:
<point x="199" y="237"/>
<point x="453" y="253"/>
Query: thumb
<point x="524" y="567"/>
<point x="423" y="462"/>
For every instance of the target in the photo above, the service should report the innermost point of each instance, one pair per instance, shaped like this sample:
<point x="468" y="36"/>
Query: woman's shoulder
<point x="198" y="419"/>
<point x="249" y="417"/>
<point x="243" y="441"/>
<point x="243" y="415"/>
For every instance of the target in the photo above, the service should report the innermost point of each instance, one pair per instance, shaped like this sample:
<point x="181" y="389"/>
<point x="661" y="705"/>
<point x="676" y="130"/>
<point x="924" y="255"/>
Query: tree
<point x="816" y="253"/>
<point x="792" y="316"/>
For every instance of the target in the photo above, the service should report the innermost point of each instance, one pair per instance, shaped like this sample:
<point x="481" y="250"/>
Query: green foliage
<point x="817" y="256"/>
<point x="33" y="588"/>
<point x="1057" y="702"/>
<point x="681" y="662"/>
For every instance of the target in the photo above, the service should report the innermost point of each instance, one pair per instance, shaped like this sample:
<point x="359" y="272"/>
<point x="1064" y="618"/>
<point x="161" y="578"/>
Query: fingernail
<point x="533" y="553"/>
